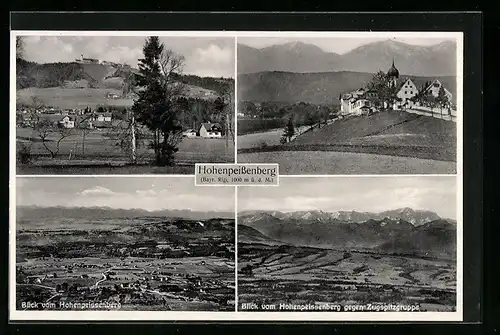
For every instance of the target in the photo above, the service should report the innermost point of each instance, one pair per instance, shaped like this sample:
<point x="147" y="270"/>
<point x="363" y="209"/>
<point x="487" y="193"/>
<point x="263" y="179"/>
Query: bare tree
<point x="45" y="129"/>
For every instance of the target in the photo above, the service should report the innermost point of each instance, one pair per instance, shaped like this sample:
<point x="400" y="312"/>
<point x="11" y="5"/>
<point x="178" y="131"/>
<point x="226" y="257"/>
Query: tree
<point x="442" y="99"/>
<point x="19" y="47"/>
<point x="382" y="85"/>
<point x="154" y="106"/>
<point x="45" y="129"/>
<point x="289" y="131"/>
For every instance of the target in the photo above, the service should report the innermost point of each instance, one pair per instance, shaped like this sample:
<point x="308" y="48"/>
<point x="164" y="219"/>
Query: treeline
<point x="271" y="115"/>
<point x="31" y="74"/>
<point x="219" y="85"/>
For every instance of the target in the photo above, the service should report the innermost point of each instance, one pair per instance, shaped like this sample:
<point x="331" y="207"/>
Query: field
<point x="72" y="97"/>
<point x="101" y="153"/>
<point x="128" y="264"/>
<point x="250" y="126"/>
<point x="270" y="275"/>
<point x="386" y="142"/>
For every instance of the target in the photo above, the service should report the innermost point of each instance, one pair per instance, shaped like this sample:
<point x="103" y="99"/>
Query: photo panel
<point x="107" y="245"/>
<point x="350" y="102"/>
<point x="122" y="102"/>
<point x="389" y="247"/>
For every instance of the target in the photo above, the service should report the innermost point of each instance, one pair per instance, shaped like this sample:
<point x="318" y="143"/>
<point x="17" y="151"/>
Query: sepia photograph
<point x="123" y="244"/>
<point x="353" y="104"/>
<point x="122" y="104"/>
<point x="345" y="244"/>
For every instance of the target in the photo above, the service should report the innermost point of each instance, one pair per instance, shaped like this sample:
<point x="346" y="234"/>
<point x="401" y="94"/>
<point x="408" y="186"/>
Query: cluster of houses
<point x="206" y="130"/>
<point x="70" y="119"/>
<point x="365" y="101"/>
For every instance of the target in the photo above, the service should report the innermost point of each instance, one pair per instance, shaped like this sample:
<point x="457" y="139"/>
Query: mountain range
<point x="35" y="212"/>
<point x="434" y="60"/>
<point x="403" y="230"/>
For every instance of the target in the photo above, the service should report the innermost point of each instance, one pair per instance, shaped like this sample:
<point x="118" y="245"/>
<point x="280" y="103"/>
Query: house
<point x="358" y="102"/>
<point x="190" y="133"/>
<point x="104" y="117"/>
<point x="407" y="90"/>
<point x="434" y="88"/>
<point x="67" y="122"/>
<point x="210" y="130"/>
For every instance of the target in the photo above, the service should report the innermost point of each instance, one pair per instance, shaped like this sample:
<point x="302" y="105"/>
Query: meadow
<point x="100" y="150"/>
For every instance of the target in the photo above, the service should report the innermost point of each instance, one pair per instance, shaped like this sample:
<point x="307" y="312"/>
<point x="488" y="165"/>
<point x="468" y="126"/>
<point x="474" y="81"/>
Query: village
<point x="188" y="268"/>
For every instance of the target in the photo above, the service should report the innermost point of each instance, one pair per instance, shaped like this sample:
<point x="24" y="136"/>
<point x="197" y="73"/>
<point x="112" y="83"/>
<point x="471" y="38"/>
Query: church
<point x="360" y="102"/>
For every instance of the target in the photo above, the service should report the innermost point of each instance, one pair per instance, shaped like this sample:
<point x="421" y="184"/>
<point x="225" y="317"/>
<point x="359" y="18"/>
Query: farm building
<point x="210" y="130"/>
<point x="190" y="133"/>
<point x="67" y="122"/>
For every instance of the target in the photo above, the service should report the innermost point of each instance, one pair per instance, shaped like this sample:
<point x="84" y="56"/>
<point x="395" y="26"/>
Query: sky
<point x="368" y="194"/>
<point x="339" y="45"/>
<point x="148" y="193"/>
<point x="204" y="56"/>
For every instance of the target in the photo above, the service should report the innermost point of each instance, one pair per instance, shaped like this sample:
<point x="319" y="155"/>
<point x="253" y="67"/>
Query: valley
<point x="125" y="263"/>
<point x="312" y="258"/>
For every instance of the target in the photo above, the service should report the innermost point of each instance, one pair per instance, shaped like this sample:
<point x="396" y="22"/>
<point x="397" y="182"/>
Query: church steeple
<point x="393" y="73"/>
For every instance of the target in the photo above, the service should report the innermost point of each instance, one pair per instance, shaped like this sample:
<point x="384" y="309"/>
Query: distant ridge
<point x="434" y="60"/>
<point x="421" y="233"/>
<point x="25" y="212"/>
<point x="415" y="217"/>
<point x="315" y="87"/>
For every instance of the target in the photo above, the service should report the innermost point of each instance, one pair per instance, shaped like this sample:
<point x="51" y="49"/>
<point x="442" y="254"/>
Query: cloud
<point x="203" y="56"/>
<point x="96" y="191"/>
<point x="211" y="61"/>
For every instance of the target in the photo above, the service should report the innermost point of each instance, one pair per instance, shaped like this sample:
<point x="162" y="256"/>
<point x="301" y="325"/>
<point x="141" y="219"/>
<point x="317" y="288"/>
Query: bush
<point x="262" y="144"/>
<point x="24" y="154"/>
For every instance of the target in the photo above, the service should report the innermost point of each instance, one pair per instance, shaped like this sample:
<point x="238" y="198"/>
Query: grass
<point x="103" y="155"/>
<point x="386" y="133"/>
<point x="72" y="98"/>
<point x="332" y="162"/>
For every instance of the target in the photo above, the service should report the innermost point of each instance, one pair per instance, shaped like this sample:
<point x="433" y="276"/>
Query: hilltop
<point x="102" y="76"/>
<point x="314" y="87"/>
<point x="434" y="60"/>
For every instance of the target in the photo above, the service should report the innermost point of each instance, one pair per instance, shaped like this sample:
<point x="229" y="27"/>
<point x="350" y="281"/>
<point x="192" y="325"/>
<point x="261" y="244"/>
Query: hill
<point x="104" y="76"/>
<point x="436" y="237"/>
<point x="393" y="132"/>
<point x="434" y="60"/>
<point x="33" y="212"/>
<point x="314" y="87"/>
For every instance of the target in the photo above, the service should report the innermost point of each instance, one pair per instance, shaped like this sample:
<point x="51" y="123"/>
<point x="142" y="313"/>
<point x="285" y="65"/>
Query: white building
<point x="190" y="133"/>
<point x="210" y="130"/>
<point x="67" y="122"/>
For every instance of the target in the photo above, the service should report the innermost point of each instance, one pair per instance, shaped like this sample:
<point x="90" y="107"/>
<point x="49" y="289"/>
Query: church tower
<point x="393" y="75"/>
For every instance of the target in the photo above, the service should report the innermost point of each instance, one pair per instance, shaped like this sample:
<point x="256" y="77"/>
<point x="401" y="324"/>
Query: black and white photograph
<point x="353" y="104"/>
<point x="123" y="244"/>
<point x="349" y="244"/>
<point x="97" y="104"/>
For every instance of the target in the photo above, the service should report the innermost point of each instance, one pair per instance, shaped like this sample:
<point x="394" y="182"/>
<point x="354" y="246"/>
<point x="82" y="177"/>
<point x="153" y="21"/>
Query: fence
<point x="436" y="113"/>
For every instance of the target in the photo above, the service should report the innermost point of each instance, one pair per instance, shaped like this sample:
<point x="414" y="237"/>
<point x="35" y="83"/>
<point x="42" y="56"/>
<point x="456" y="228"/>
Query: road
<point x="103" y="277"/>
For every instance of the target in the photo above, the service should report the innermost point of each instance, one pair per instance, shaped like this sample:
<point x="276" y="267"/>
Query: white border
<point x="237" y="316"/>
